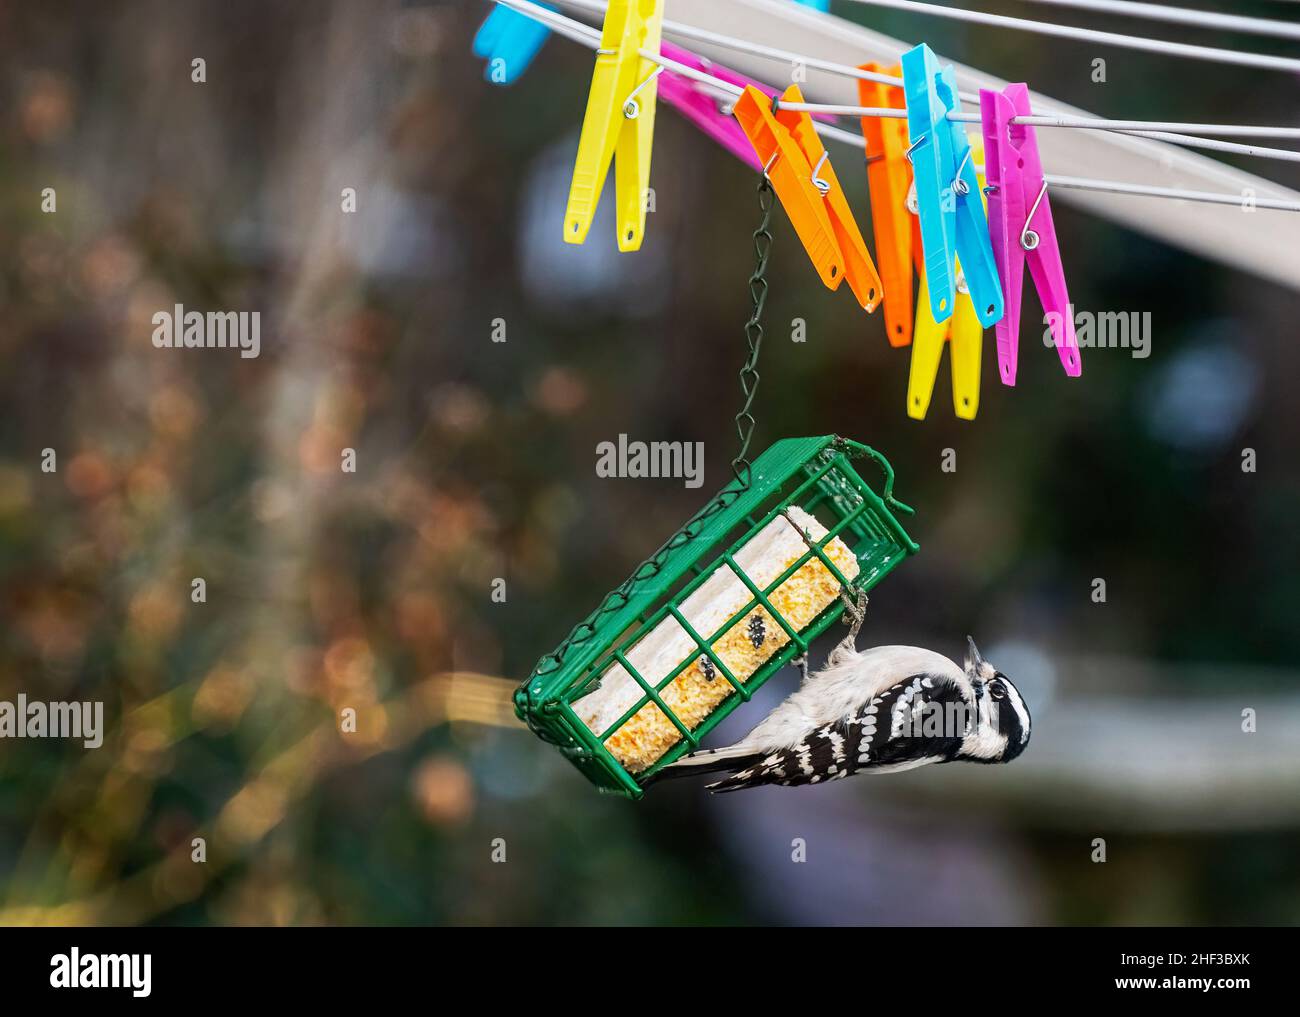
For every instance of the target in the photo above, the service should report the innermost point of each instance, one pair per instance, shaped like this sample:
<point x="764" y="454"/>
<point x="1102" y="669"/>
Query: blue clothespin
<point x="508" y="41"/>
<point x="953" y="222"/>
<point x="821" y="5"/>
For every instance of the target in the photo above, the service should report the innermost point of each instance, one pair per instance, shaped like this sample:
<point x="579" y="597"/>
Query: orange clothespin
<point x="859" y="269"/>
<point x="799" y="168"/>
<point x="889" y="177"/>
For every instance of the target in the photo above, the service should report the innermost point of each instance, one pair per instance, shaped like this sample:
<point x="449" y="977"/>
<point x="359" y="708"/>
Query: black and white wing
<point x="921" y="719"/>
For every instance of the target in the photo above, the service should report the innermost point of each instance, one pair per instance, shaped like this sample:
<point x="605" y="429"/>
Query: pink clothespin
<point x="700" y="107"/>
<point x="703" y="108"/>
<point x="1020" y="223"/>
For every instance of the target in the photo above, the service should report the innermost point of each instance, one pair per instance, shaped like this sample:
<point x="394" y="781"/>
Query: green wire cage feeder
<point x="734" y="595"/>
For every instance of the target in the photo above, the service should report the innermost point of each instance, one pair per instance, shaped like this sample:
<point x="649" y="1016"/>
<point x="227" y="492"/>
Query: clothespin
<point x="1020" y="217"/>
<point x="889" y="177"/>
<point x="818" y="5"/>
<point x="859" y="269"/>
<point x="964" y="334"/>
<point x="713" y="116"/>
<point x="619" y="123"/>
<point x="953" y="223"/>
<point x="794" y="159"/>
<point x="702" y="109"/>
<point x="508" y="41"/>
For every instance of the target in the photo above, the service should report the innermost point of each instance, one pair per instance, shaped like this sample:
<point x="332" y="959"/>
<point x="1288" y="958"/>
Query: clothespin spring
<point x="632" y="108"/>
<point x="913" y="205"/>
<point x="822" y="185"/>
<point x="1028" y="238"/>
<point x="776" y="104"/>
<point x="958" y="184"/>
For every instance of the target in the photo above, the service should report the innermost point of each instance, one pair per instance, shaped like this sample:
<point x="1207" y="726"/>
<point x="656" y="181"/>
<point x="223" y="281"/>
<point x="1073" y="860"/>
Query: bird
<point x="880" y="710"/>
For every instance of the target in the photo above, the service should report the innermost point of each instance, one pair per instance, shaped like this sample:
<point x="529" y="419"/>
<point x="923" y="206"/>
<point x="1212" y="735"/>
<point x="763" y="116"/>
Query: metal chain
<point x="740" y="466"/>
<point x="749" y="377"/>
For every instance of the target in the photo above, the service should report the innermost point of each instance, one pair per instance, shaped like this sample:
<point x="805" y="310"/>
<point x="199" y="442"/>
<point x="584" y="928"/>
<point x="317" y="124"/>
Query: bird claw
<point x="856" y="611"/>
<point x="855" y="614"/>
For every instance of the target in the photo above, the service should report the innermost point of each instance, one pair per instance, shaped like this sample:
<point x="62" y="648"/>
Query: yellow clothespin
<point x="620" y="118"/>
<point x="965" y="336"/>
<point x="963" y="331"/>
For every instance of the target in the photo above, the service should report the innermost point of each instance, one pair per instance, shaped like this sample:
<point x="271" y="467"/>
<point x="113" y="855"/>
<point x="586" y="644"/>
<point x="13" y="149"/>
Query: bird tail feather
<point x="733" y="757"/>
<point x="736" y="782"/>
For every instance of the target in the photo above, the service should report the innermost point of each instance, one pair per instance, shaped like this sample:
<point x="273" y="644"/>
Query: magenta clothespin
<point x="703" y="108"/>
<point x="1020" y="225"/>
<point x="700" y="107"/>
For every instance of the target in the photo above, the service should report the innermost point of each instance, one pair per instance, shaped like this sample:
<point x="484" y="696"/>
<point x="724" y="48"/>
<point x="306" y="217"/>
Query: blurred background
<point x="372" y="590"/>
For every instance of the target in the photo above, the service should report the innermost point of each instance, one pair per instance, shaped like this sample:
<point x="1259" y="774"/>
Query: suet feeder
<point x="733" y="596"/>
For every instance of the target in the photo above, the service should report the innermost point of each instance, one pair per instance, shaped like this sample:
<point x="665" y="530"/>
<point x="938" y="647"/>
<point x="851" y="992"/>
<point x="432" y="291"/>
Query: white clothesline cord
<point x="1211" y="197"/>
<point x="730" y="92"/>
<point x="1211" y="145"/>
<point x="1183" y="16"/>
<point x="787" y="56"/>
<point x="1262" y="61"/>
<point x="1113" y="126"/>
<point x="590" y="38"/>
<point x="685" y="31"/>
<point x="1168" y="132"/>
<point x="1242" y="201"/>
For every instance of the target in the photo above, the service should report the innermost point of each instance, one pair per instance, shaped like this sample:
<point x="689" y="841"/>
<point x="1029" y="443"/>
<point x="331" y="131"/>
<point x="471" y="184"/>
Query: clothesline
<point x="1157" y="130"/>
<point x="1261" y="61"/>
<point x="1089" y="123"/>
<point x="1209" y="144"/>
<point x="590" y="37"/>
<point x="1108" y="186"/>
<point x="1183" y="16"/>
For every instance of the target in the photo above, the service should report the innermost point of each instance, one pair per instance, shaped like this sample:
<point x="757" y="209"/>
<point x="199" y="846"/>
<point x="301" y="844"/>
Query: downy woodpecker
<point x="881" y="710"/>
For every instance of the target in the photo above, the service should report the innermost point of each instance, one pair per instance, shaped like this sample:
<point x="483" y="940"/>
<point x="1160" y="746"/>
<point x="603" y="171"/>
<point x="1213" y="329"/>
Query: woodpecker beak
<point x="973" y="659"/>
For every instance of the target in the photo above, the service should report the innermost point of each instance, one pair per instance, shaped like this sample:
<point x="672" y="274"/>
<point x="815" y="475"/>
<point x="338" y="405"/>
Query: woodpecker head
<point x="1001" y="730"/>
